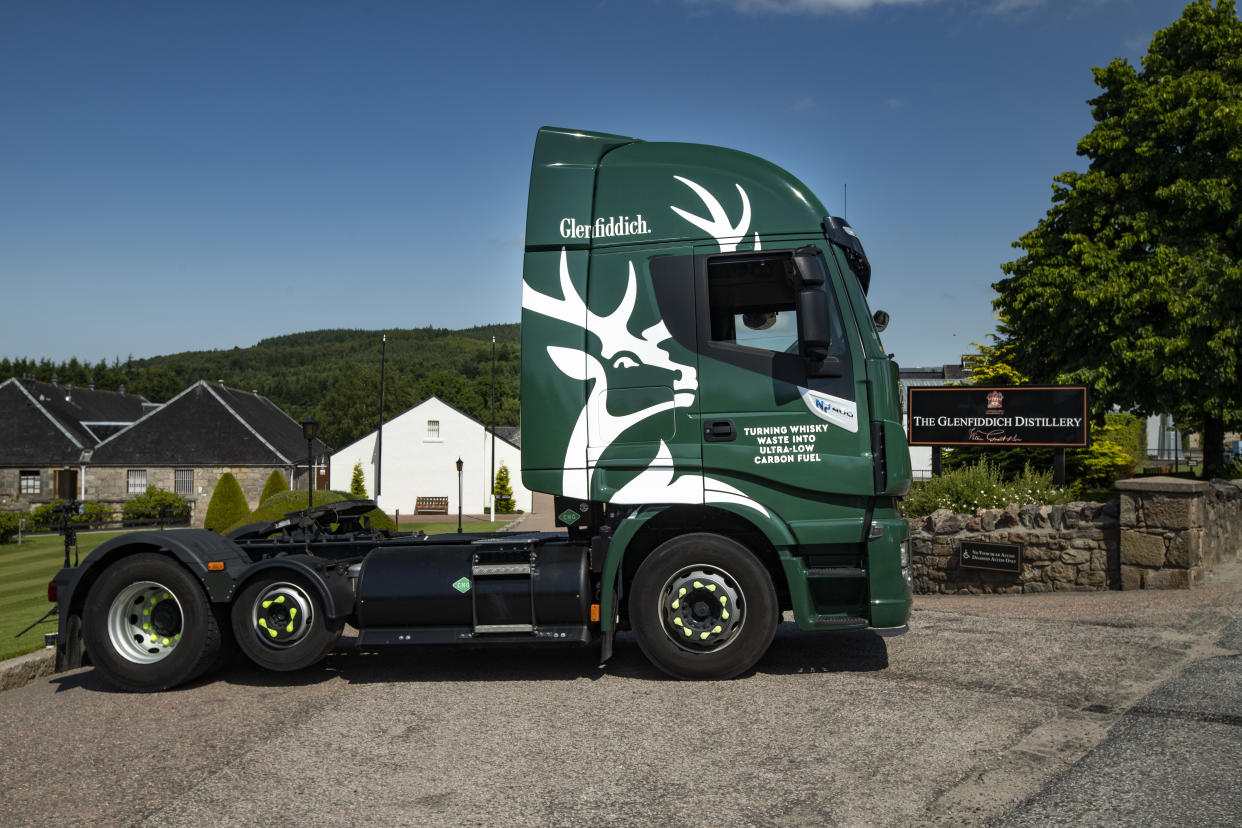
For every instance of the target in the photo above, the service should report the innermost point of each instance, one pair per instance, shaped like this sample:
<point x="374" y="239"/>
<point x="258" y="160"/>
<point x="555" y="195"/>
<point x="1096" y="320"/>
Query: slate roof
<point x="209" y="424"/>
<point x="45" y="424"/>
<point x="510" y="434"/>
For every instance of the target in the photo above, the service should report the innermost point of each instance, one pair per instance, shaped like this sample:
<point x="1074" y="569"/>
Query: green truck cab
<point x="699" y="362"/>
<point x="704" y="392"/>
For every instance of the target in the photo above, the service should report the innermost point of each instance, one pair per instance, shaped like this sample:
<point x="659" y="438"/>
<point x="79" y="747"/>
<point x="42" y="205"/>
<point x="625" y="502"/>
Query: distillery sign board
<point x="998" y="416"/>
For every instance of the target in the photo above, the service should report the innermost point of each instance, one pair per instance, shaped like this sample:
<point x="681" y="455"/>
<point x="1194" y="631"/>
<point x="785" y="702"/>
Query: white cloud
<point x="517" y="242"/>
<point x="806" y="105"/>
<point x="1013" y="8"/>
<point x="806" y="6"/>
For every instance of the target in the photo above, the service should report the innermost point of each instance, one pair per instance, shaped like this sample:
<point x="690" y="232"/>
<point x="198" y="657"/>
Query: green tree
<point x="1131" y="284"/>
<point x="503" y="491"/>
<point x="275" y="484"/>
<point x="227" y="506"/>
<point x="357" y="482"/>
<point x="350" y="409"/>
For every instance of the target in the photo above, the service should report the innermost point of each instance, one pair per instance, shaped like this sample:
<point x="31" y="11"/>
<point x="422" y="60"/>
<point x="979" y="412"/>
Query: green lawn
<point x="25" y="570"/>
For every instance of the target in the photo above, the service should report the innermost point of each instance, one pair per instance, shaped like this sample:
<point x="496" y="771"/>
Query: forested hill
<point x="332" y="374"/>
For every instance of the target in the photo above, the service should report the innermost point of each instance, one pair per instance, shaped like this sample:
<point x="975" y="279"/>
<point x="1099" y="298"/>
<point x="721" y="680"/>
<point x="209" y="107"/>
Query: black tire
<point x="703" y="607"/>
<point x="148" y="624"/>
<point x="280" y="623"/>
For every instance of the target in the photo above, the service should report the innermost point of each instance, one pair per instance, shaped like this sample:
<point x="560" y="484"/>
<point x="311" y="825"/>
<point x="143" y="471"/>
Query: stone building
<point x="188" y="443"/>
<point x="48" y="436"/>
<point x="59" y="441"/>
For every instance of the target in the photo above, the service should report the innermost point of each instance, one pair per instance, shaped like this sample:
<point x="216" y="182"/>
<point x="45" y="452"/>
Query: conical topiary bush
<point x="227" y="506"/>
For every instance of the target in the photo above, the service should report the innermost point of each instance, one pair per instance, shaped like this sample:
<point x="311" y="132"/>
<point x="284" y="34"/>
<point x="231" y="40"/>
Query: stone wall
<point x="108" y="484"/>
<point x="1175" y="530"/>
<point x="1163" y="533"/>
<point x="1070" y="547"/>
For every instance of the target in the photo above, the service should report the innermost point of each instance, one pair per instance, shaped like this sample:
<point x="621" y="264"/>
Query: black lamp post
<point x="459" y="465"/>
<point x="310" y="427"/>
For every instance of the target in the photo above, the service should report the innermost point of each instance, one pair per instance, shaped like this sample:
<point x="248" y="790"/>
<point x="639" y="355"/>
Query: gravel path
<point x="985" y="703"/>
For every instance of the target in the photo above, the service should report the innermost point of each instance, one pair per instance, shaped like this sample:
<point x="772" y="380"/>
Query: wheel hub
<point x="701" y="609"/>
<point x="282" y="615"/>
<point x="144" y="622"/>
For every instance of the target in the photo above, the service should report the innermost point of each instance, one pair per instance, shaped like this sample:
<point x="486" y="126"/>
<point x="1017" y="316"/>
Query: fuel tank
<point x="475" y="585"/>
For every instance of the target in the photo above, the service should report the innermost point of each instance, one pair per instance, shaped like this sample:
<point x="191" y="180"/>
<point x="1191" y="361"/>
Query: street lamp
<point x="459" y="465"/>
<point x="310" y="427"/>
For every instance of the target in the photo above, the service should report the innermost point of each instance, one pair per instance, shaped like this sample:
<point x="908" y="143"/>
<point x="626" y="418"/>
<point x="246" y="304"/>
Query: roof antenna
<point x="845" y="206"/>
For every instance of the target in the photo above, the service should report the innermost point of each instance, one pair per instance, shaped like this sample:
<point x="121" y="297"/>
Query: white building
<point x="921" y="456"/>
<point x="420" y="452"/>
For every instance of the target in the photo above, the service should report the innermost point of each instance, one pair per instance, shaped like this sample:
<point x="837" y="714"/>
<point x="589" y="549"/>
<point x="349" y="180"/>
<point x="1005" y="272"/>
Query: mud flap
<point x="70" y="646"/>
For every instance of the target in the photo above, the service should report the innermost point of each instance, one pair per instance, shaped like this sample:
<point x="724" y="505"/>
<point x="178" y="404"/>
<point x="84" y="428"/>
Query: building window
<point x="31" y="483"/>
<point x="433" y="429"/>
<point x="136" y="481"/>
<point x="183" y="482"/>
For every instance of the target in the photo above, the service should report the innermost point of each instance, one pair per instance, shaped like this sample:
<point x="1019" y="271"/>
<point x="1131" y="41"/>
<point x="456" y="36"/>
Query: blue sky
<point x="178" y="176"/>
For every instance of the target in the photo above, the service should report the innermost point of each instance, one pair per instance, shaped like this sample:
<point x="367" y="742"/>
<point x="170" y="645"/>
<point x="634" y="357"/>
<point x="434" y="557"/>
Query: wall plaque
<point x="1002" y="557"/>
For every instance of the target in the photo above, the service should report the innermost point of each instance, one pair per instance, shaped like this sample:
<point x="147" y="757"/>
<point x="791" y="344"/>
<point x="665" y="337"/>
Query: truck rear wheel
<point x="703" y="607"/>
<point x="148" y="625"/>
<point x="280" y="622"/>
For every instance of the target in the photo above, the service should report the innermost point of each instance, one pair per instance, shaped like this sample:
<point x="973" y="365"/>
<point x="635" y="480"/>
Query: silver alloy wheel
<point x="282" y="615"/>
<point x="702" y="608"/>
<point x="144" y="622"/>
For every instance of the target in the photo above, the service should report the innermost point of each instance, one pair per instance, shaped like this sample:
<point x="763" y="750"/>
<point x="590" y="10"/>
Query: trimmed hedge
<point x="94" y="513"/>
<point x="275" y="484"/>
<point x="282" y="504"/>
<point x="155" y="503"/>
<point x="8" y="525"/>
<point x="228" y="505"/>
<point x="357" y="482"/>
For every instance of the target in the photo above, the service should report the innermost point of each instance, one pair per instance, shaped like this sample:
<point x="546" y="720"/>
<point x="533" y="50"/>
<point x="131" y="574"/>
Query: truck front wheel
<point x="148" y="625"/>
<point x="703" y="607"/>
<point x="280" y="623"/>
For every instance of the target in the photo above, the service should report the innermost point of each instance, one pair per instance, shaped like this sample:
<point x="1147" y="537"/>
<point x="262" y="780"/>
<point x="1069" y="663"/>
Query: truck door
<point x="784" y="423"/>
<point x="641" y="405"/>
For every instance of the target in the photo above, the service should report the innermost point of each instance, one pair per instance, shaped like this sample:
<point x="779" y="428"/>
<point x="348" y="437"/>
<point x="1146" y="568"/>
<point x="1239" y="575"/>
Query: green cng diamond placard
<point x="462" y="585"/>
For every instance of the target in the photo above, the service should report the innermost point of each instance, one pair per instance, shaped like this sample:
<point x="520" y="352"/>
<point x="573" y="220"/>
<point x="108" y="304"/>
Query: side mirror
<point x="813" y="321"/>
<point x="880" y="318"/>
<point x="816" y="334"/>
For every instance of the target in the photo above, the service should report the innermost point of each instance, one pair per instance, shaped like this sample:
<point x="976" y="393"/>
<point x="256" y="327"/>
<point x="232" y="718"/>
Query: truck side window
<point x="751" y="303"/>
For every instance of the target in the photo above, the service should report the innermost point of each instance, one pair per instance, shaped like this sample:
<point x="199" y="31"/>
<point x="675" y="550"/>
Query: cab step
<point x="836" y="572"/>
<point x="833" y="621"/>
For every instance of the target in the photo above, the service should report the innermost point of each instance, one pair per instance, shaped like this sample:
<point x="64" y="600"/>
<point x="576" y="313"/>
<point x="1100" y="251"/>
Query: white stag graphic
<point x="718" y="226"/>
<point x="596" y="427"/>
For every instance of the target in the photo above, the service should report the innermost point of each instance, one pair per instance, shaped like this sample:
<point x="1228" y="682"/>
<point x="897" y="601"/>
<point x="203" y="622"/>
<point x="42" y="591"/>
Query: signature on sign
<point x="995" y="435"/>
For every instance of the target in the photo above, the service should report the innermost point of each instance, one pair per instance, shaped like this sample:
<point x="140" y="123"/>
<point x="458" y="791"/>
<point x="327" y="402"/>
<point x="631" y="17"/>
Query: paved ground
<point x="1182" y="745"/>
<point x="1101" y="708"/>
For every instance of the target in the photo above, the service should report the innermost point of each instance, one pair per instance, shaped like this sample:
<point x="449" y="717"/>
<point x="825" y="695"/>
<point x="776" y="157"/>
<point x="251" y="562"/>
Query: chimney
<point x="28" y="380"/>
<point x="55" y="380"/>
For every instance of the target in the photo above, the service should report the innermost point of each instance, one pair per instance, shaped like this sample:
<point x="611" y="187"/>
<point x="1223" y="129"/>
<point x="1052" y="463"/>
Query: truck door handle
<point x="719" y="431"/>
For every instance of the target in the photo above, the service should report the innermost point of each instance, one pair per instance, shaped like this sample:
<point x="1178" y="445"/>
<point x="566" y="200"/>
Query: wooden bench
<point x="431" y="506"/>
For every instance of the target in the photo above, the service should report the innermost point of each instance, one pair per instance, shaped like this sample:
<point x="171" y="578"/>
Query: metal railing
<point x="60" y="517"/>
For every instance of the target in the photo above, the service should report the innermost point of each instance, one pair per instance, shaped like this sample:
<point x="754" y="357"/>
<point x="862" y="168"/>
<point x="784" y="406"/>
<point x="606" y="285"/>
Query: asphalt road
<point x="1102" y="708"/>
